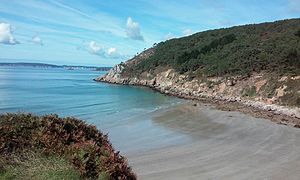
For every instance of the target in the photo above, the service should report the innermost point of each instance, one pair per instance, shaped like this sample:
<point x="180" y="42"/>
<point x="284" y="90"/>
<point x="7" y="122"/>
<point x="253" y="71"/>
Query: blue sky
<point x="103" y="33"/>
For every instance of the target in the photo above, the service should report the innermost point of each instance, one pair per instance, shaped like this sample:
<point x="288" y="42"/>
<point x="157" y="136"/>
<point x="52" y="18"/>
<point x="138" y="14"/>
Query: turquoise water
<point x="122" y="111"/>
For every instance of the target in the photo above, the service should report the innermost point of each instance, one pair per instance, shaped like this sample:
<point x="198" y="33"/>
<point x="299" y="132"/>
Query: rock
<point x="153" y="82"/>
<point x="174" y="84"/>
<point x="230" y="82"/>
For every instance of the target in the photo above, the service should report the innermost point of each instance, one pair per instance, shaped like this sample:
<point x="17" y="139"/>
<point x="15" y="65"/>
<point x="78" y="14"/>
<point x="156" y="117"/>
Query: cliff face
<point x="113" y="74"/>
<point x="251" y="91"/>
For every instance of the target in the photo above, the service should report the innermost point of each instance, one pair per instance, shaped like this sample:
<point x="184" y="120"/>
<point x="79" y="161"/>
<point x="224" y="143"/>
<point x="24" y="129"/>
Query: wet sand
<point x="223" y="145"/>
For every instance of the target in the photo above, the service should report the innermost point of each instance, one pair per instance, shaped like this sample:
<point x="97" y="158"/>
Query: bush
<point x="86" y="148"/>
<point x="250" y="91"/>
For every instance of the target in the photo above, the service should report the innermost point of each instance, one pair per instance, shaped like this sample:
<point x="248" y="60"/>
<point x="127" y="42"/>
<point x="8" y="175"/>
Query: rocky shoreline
<point x="170" y="83"/>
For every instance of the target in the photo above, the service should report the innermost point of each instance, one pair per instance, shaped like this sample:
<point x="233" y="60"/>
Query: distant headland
<point x="45" y="65"/>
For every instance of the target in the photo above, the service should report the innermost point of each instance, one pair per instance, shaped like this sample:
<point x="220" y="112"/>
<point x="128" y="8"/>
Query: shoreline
<point x="279" y="114"/>
<point x="222" y="145"/>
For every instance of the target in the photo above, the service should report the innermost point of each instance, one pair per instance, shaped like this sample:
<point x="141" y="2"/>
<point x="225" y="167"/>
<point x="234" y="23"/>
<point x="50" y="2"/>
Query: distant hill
<point x="43" y="65"/>
<point x="29" y="64"/>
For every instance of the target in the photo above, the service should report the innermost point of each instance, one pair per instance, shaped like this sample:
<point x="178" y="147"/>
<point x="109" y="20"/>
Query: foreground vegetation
<point x="35" y="165"/>
<point x="241" y="50"/>
<point x="49" y="147"/>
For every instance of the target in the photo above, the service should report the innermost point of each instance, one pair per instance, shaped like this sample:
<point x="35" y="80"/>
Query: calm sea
<point x="122" y="111"/>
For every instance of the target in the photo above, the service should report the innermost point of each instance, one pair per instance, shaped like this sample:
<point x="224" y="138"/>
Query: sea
<point x="125" y="113"/>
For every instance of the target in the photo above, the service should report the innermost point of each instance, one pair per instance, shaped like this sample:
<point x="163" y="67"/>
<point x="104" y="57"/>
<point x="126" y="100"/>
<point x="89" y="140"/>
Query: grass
<point x="250" y="91"/>
<point x="270" y="87"/>
<point x="36" y="166"/>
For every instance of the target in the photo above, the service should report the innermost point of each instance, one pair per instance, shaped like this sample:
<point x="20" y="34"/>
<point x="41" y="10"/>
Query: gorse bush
<point x="240" y="50"/>
<point x="86" y="148"/>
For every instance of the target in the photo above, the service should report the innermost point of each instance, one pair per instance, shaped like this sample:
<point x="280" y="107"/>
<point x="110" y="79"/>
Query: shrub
<point x="250" y="91"/>
<point x="86" y="148"/>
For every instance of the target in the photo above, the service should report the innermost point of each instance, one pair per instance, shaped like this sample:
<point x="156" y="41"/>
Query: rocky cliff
<point x="251" y="91"/>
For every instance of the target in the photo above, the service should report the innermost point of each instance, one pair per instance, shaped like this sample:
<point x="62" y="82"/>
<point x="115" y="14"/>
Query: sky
<point x="104" y="33"/>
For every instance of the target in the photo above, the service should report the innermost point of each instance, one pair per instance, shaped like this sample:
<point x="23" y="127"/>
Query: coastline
<point x="279" y="114"/>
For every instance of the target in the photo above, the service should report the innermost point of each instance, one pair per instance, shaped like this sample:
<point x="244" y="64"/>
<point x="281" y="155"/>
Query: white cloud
<point x="94" y="48"/>
<point x="168" y="36"/>
<point x="6" y="34"/>
<point x="37" y="40"/>
<point x="112" y="51"/>
<point x="133" y="30"/>
<point x="115" y="54"/>
<point x="187" y="32"/>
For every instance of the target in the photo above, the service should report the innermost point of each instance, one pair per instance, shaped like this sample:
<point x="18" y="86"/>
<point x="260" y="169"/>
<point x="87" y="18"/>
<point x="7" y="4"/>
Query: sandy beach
<point x="223" y="145"/>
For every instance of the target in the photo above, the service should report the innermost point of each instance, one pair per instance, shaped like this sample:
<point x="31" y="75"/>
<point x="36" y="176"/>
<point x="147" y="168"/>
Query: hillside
<point x="239" y="50"/>
<point x="255" y="65"/>
<point x="43" y="65"/>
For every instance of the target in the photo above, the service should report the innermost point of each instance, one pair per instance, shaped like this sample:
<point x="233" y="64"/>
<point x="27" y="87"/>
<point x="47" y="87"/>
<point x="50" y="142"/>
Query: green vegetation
<point x="292" y="99"/>
<point x="292" y="93"/>
<point x="49" y="147"/>
<point x="298" y="33"/>
<point x="33" y="165"/>
<point x="270" y="87"/>
<point x="250" y="91"/>
<point x="240" y="50"/>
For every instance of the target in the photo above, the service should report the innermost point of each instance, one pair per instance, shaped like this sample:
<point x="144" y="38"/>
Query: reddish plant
<point x="86" y="147"/>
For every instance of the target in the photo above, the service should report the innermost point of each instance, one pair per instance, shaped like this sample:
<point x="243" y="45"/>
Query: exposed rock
<point x="280" y="91"/>
<point x="282" y="79"/>
<point x="222" y="87"/>
<point x="172" y="83"/>
<point x="295" y="78"/>
<point x="230" y="82"/>
<point x="260" y="83"/>
<point x="113" y="74"/>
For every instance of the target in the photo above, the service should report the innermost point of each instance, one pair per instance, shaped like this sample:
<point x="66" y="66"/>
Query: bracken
<point x="86" y="148"/>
